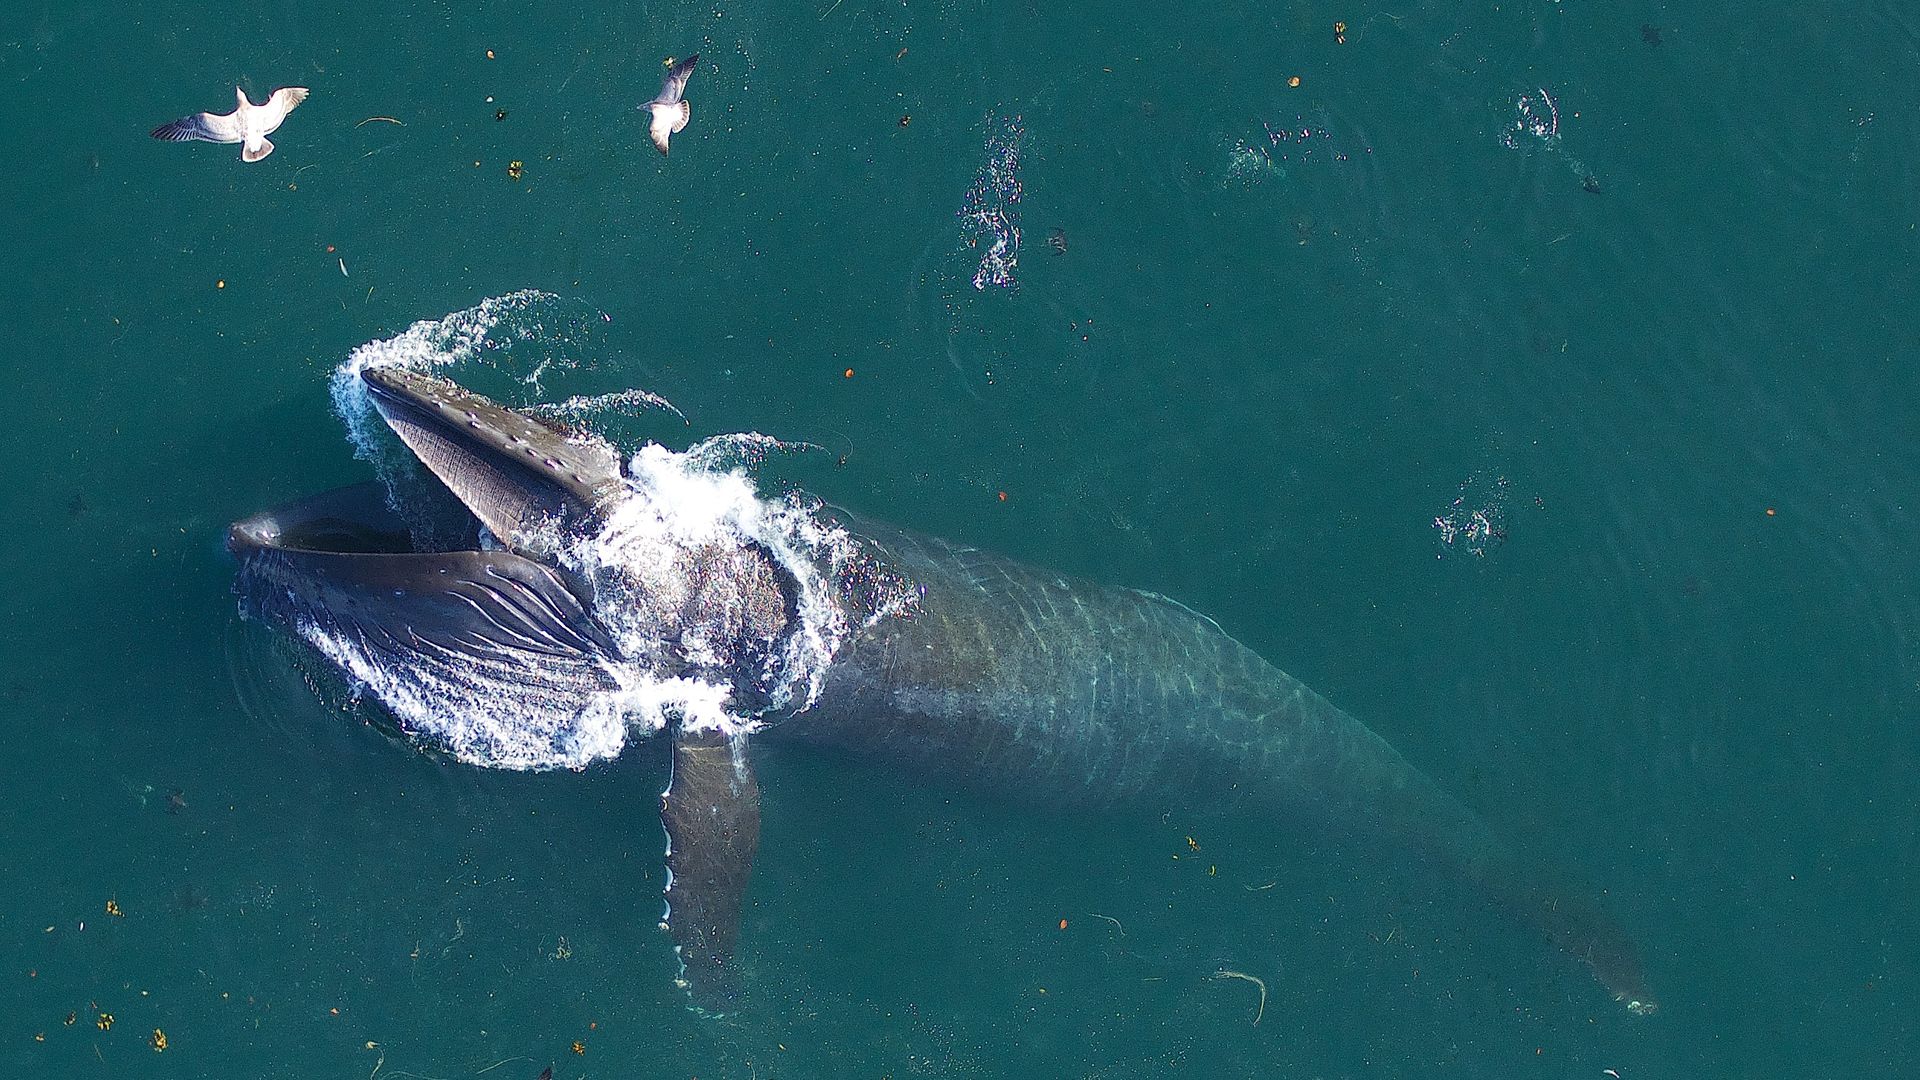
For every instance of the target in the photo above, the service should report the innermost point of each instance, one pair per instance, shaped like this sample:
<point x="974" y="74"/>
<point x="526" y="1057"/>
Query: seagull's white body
<point x="670" y="110"/>
<point x="248" y="124"/>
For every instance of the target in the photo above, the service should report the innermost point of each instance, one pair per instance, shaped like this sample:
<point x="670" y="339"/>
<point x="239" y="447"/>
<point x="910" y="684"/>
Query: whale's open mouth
<point x="345" y="557"/>
<point x="537" y="597"/>
<point x="460" y="601"/>
<point x="476" y="575"/>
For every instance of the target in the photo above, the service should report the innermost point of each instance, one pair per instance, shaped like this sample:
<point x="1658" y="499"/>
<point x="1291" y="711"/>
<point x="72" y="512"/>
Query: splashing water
<point x="585" y="407"/>
<point x="1537" y="117"/>
<point x="431" y="346"/>
<point x="1476" y="519"/>
<point x="682" y="519"/>
<point x="1536" y="121"/>
<point x="990" y="216"/>
<point x="742" y="450"/>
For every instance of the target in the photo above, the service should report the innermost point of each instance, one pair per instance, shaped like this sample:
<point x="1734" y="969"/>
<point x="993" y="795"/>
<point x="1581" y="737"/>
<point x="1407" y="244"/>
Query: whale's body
<point x="955" y="662"/>
<point x="1006" y="673"/>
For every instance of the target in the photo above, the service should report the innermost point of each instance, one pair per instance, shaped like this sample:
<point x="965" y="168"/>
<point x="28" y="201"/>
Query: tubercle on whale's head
<point x="519" y="475"/>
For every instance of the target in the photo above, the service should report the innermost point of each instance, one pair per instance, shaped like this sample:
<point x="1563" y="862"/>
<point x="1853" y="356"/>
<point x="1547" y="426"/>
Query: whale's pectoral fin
<point x="711" y="809"/>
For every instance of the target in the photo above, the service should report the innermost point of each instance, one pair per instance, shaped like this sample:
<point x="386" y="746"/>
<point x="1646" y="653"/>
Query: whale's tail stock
<point x="1413" y="811"/>
<point x="1571" y="915"/>
<point x="1116" y="696"/>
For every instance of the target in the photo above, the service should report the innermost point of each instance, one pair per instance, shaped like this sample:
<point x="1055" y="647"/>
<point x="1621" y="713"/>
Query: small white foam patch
<point x="740" y="450"/>
<point x="699" y="706"/>
<point x="579" y="407"/>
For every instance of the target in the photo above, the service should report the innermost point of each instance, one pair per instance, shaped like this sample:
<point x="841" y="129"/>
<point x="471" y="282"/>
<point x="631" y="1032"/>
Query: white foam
<point x="697" y="705"/>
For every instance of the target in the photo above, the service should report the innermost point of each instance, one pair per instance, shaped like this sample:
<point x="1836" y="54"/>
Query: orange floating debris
<point x="847" y="374"/>
<point x="1769" y="511"/>
<point x="1293" y="80"/>
<point x="1063" y="924"/>
<point x="579" y="1047"/>
<point x="1003" y="495"/>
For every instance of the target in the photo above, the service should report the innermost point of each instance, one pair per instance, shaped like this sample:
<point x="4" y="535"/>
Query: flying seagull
<point x="670" y="110"/>
<point x="247" y="123"/>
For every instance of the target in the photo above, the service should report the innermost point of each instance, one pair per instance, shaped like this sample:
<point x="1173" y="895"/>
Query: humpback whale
<point x="568" y="597"/>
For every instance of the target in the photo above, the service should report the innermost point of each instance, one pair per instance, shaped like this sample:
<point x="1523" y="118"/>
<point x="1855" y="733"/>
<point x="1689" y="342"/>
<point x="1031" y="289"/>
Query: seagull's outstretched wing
<point x="206" y="126"/>
<point x="670" y="110"/>
<point x="283" y="101"/>
<point x="674" y="86"/>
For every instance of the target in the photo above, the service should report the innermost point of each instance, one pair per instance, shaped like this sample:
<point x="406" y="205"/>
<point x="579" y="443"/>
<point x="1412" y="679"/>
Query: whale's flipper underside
<point x="711" y="809"/>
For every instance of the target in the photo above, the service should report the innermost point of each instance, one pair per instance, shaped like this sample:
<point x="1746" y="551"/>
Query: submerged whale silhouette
<point x="585" y="596"/>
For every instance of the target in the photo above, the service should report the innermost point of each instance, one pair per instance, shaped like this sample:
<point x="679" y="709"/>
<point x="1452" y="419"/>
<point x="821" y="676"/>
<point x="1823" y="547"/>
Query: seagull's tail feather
<point x="254" y="151"/>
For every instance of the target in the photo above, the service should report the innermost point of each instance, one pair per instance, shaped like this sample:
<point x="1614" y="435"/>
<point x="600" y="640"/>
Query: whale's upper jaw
<point x="519" y="476"/>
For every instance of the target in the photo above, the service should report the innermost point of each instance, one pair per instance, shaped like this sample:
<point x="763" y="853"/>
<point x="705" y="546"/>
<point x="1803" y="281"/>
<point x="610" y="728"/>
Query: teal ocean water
<point x="1091" y="286"/>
